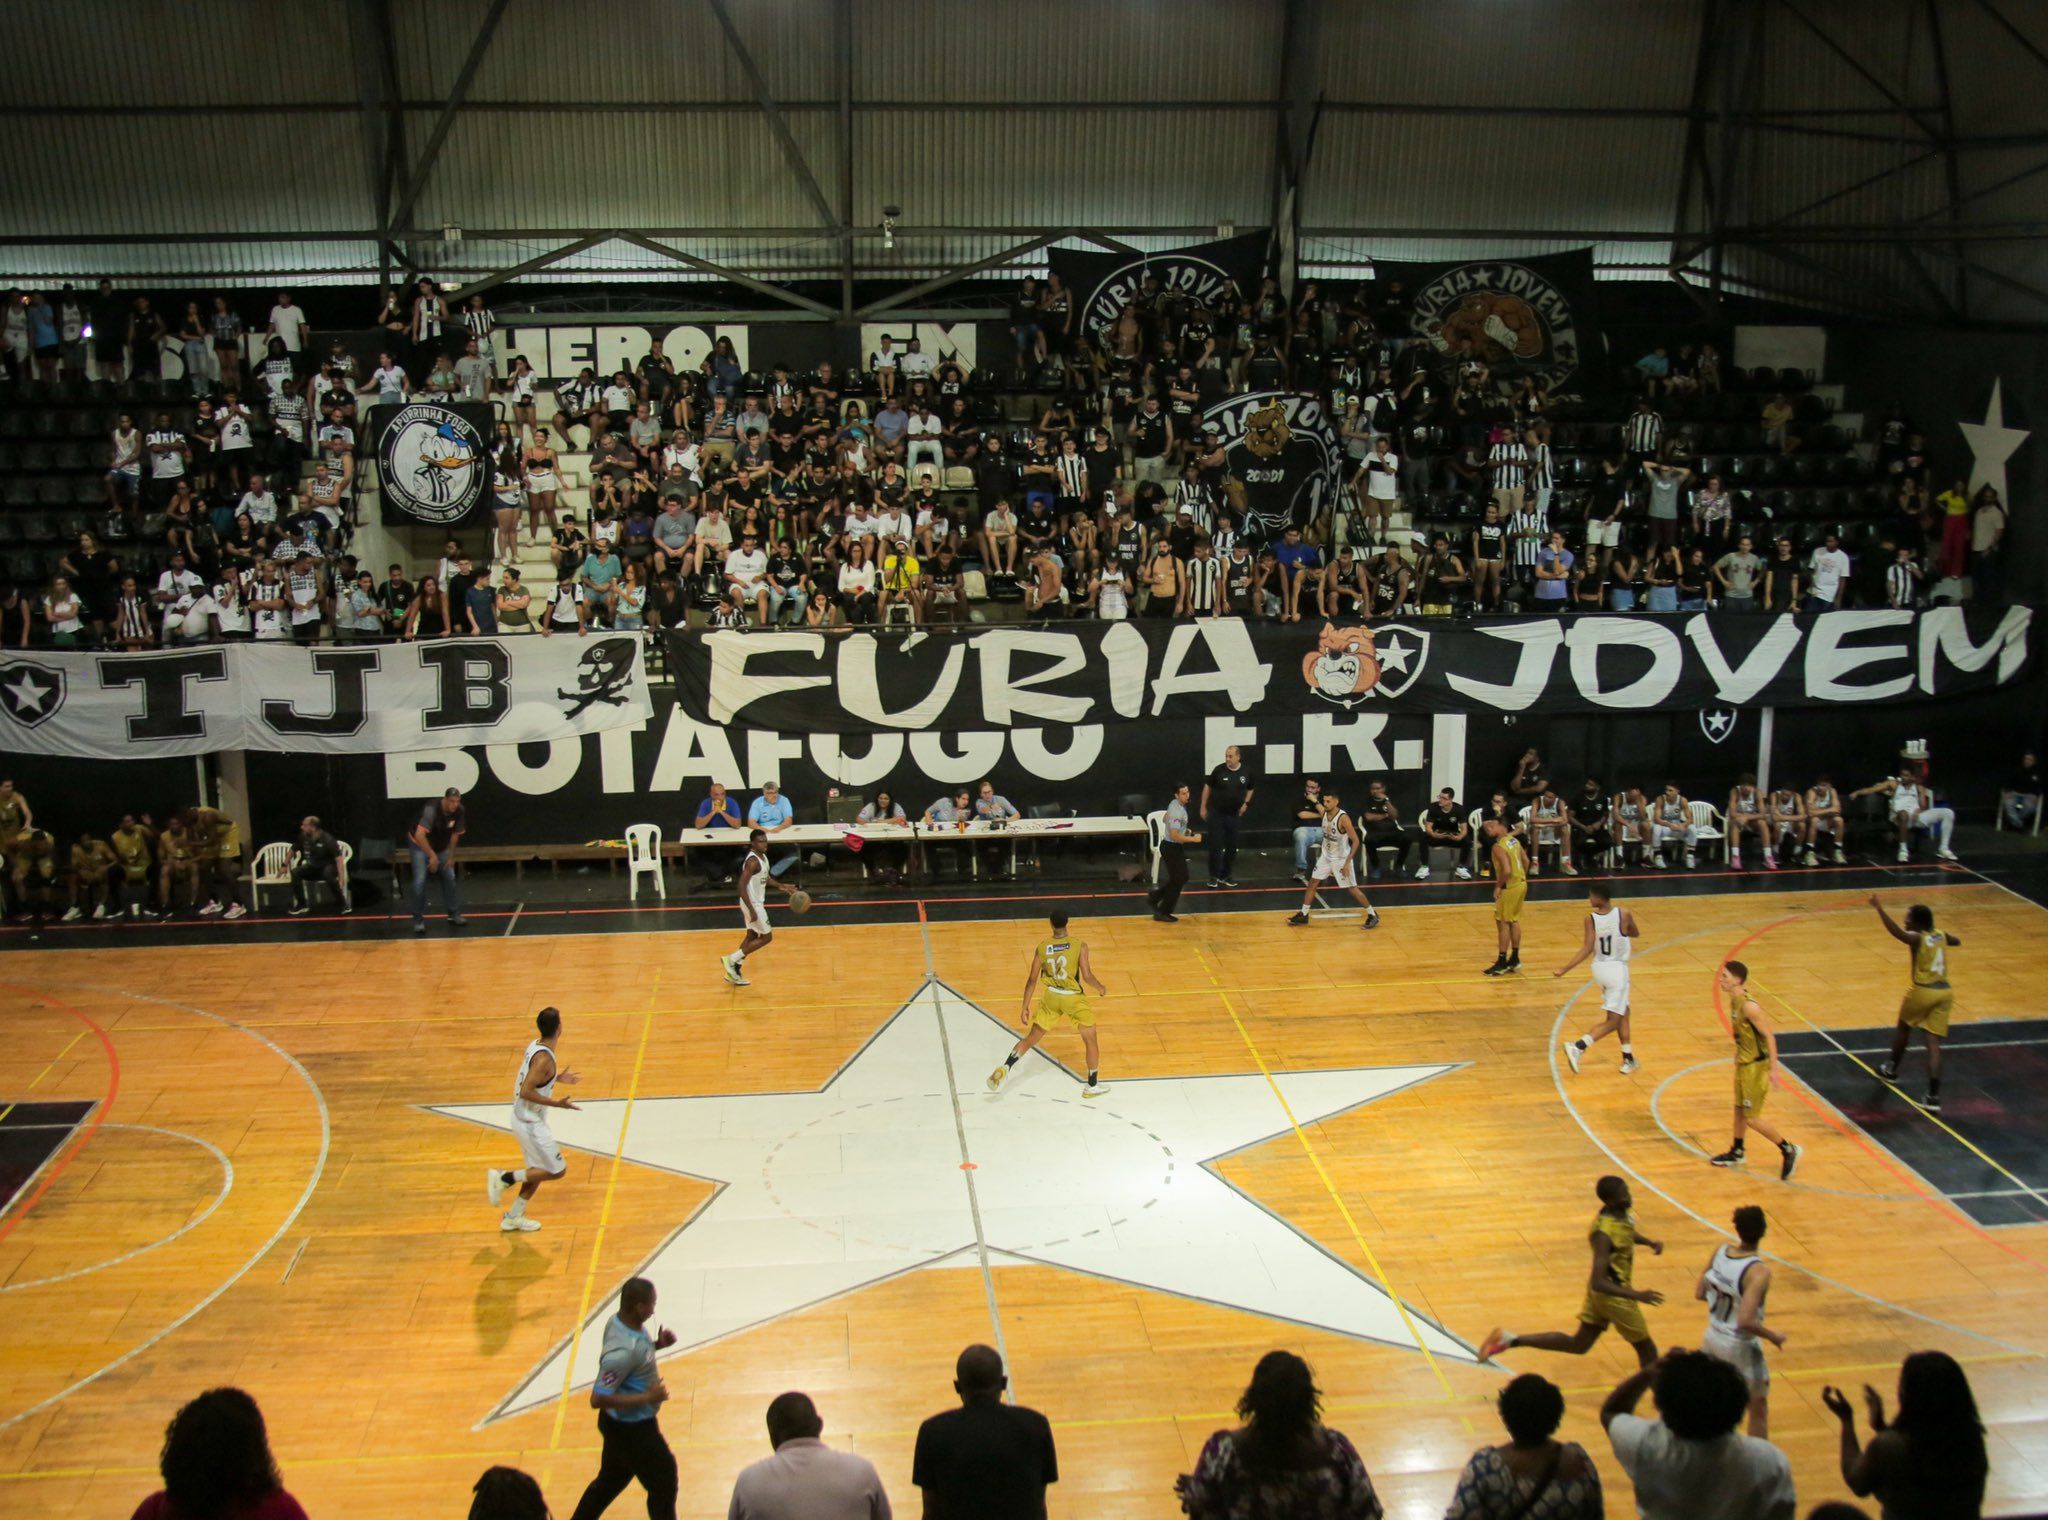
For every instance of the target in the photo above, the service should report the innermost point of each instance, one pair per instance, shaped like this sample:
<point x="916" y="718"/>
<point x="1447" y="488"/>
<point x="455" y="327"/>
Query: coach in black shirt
<point x="1592" y="813"/>
<point x="1226" y="796"/>
<point x="986" y="1460"/>
<point x="1383" y="830"/>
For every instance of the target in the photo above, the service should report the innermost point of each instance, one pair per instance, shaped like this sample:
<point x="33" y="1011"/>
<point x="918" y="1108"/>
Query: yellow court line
<point x="1934" y="1119"/>
<point x="604" y="1219"/>
<point x="38" y="1082"/>
<point x="1357" y="1235"/>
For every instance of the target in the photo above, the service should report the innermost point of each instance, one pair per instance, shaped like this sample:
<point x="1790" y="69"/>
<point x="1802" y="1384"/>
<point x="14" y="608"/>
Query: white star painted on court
<point x="1394" y="655"/>
<point x="820" y="1194"/>
<point x="28" y="696"/>
<point x="1992" y="443"/>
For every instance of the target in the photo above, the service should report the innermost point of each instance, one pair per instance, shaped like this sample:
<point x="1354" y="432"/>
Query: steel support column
<point x="417" y="180"/>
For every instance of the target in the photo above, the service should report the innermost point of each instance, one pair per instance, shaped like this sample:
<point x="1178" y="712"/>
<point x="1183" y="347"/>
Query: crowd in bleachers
<point x="993" y="1459"/>
<point x="1078" y="479"/>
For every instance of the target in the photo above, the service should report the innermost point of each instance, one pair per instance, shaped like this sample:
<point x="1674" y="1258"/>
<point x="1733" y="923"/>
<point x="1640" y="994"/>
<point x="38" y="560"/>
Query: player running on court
<point x="1929" y="1001"/>
<point x="1756" y="1069"/>
<point x="1733" y="1287"/>
<point x="533" y="1094"/>
<point x="755" y="880"/>
<point x="1059" y="970"/>
<point x="1609" y="931"/>
<point x="1336" y="863"/>
<point x="1611" y="1296"/>
<point x="1510" y="889"/>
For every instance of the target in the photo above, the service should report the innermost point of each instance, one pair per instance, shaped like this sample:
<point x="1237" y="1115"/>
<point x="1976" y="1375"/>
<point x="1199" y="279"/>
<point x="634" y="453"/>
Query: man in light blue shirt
<point x="627" y="1396"/>
<point x="771" y="811"/>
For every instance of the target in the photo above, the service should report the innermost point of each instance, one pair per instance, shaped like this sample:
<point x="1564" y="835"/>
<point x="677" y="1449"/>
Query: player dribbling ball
<point x="799" y="901"/>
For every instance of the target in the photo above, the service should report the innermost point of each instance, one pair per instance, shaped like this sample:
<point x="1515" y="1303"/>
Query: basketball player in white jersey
<point x="1733" y="1288"/>
<point x="1746" y="816"/>
<point x="755" y="880"/>
<point x="1336" y="863"/>
<point x="533" y="1094"/>
<point x="1671" y="821"/>
<point x="1609" y="931"/>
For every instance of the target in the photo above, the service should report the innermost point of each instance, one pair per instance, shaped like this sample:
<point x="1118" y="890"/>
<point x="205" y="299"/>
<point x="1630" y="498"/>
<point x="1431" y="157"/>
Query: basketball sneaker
<point x="1931" y="1103"/>
<point x="1095" y="1090"/>
<point x="1730" y="1157"/>
<point x="494" y="1184"/>
<point x="995" y="1078"/>
<point x="521" y="1224"/>
<point x="1790" y="1163"/>
<point x="1495" y="1343"/>
<point x="1297" y="919"/>
<point x="1889" y="1071"/>
<point x="1629" y="1064"/>
<point x="1571" y="1055"/>
<point x="732" y="971"/>
<point x="1372" y="919"/>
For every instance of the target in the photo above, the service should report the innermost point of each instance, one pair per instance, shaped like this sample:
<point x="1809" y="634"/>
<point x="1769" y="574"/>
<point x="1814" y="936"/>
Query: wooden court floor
<point x="262" y="1197"/>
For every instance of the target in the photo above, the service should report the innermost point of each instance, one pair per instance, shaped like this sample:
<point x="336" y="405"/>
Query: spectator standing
<point x="1308" y="826"/>
<point x="109" y="313"/>
<point x="1282" y="1460"/>
<point x="1929" y="1463"/>
<point x="1781" y="579"/>
<point x="1534" y="1476"/>
<point x="287" y="321"/>
<point x="1226" y="798"/>
<point x="1553" y="574"/>
<point x="1173" y="858"/>
<point x="1987" y="539"/>
<point x="986" y="1460"/>
<point x="1737" y="574"/>
<point x="1828" y="569"/>
<point x="433" y="841"/>
<point x="805" y="1479"/>
<point x="228" y="333"/>
<point x="216" y="1462"/>
<point x="1689" y="1463"/>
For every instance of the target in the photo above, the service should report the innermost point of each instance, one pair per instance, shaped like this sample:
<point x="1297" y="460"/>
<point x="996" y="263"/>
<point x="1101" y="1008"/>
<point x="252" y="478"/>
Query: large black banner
<point x="1533" y="315"/>
<point x="1089" y="675"/>
<point x="1285" y="461"/>
<point x="1102" y="284"/>
<point x="433" y="461"/>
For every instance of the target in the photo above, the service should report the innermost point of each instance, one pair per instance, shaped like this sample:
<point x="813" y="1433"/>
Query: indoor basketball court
<point x="264" y="1163"/>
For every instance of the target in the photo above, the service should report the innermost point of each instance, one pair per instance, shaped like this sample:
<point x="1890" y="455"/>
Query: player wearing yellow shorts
<point x="1510" y="889"/>
<point x="1756" y="1068"/>
<point x="1059" y="970"/>
<point x="1928" y="1002"/>
<point x="1612" y="1298"/>
<point x="133" y="845"/>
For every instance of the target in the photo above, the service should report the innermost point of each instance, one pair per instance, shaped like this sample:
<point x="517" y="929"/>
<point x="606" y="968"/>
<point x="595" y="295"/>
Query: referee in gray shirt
<point x="1173" y="858"/>
<point x="627" y="1396"/>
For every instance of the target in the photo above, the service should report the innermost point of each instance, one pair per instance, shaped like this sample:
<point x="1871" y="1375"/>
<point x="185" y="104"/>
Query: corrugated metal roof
<point x="1158" y="50"/>
<point x="1088" y="167"/>
<point x="1435" y="171"/>
<point x="173" y="52"/>
<point x="1633" y="53"/>
<point x="622" y="51"/>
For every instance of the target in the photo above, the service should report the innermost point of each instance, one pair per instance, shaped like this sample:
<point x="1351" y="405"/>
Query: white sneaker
<point x="1659" y="862"/>
<point x="71" y="916"/>
<point x="494" y="1184"/>
<point x="1841" y="859"/>
<point x="1808" y="859"/>
<point x="1692" y="860"/>
<point x="100" y="911"/>
<point x="213" y="907"/>
<point x="732" y="972"/>
<point x="1944" y="854"/>
<point x="1464" y="874"/>
<point x="135" y="910"/>
<point x="1628" y="1065"/>
<point x="1571" y="1055"/>
<point x="1905" y="852"/>
<point x="1569" y="869"/>
<point x="235" y="910"/>
<point x="510" y="1225"/>
<point x="1422" y="874"/>
<point x="1095" y="1091"/>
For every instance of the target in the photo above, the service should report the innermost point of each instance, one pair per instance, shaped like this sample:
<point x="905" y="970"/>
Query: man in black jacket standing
<point x="1226" y="797"/>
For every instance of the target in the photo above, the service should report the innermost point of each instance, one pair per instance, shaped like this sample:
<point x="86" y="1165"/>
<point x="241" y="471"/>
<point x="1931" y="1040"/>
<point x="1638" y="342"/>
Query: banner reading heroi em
<point x="1535" y="316"/>
<point x="1102" y="284"/>
<point x="433" y="461"/>
<point x="346" y="699"/>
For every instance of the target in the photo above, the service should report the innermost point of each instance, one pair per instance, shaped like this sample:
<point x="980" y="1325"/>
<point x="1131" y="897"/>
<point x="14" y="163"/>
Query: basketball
<point x="799" y="901"/>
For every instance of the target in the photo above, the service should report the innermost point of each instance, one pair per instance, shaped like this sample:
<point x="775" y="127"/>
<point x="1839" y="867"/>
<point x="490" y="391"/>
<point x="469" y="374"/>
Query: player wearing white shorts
<point x="1733" y="1287"/>
<point x="533" y="1094"/>
<point x="1671" y="821"/>
<point x="755" y="880"/>
<point x="1608" y="932"/>
<point x="1336" y="863"/>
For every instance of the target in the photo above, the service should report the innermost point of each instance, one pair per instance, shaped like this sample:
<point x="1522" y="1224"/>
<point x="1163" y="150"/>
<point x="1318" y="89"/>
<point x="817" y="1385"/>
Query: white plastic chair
<point x="271" y="868"/>
<point x="1708" y="824"/>
<point x="1155" y="837"/>
<point x="1473" y="820"/>
<point x="2008" y="796"/>
<point x="348" y="895"/>
<point x="643" y="856"/>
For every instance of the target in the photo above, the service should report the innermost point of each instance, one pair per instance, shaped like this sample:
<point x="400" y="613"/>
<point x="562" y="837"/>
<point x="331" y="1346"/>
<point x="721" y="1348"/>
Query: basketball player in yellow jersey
<point x="1756" y="1069"/>
<point x="1928" y="1002"/>
<point x="1510" y="888"/>
<point x="1059" y="969"/>
<point x="1611" y="1296"/>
